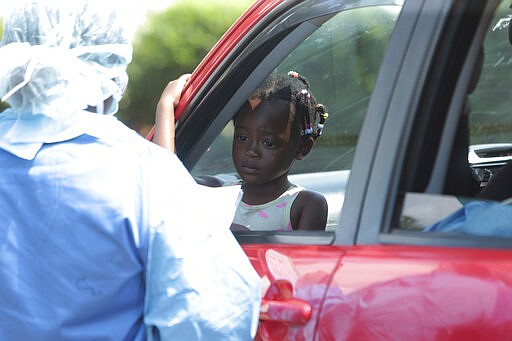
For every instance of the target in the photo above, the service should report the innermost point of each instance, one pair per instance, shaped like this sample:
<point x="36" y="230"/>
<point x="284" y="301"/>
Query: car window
<point x="341" y="60"/>
<point x="482" y="147"/>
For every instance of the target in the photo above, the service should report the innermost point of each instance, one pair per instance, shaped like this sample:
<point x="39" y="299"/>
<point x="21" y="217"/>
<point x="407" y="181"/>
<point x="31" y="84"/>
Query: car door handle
<point x="293" y="312"/>
<point x="280" y="306"/>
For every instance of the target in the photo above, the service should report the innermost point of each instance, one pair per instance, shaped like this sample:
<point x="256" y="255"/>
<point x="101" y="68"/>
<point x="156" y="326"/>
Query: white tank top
<point x="271" y="216"/>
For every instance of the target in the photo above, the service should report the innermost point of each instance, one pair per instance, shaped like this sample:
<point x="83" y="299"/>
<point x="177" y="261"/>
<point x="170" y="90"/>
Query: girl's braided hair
<point x="295" y="89"/>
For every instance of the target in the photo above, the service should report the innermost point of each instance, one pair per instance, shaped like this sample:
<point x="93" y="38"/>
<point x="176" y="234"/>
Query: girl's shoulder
<point x="307" y="197"/>
<point x="309" y="211"/>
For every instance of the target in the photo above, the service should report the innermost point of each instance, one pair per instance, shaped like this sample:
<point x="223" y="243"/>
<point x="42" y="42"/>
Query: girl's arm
<point x="309" y="211"/>
<point x="164" y="120"/>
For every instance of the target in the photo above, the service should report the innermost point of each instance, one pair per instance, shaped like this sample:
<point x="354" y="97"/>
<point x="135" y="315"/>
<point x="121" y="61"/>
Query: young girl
<point x="273" y="129"/>
<point x="277" y="125"/>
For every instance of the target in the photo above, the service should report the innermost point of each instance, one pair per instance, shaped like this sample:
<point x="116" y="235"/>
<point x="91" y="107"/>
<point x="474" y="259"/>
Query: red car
<point x="410" y="85"/>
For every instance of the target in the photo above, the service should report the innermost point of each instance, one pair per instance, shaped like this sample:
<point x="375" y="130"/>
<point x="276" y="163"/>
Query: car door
<point x="309" y="37"/>
<point x="395" y="75"/>
<point x="361" y="37"/>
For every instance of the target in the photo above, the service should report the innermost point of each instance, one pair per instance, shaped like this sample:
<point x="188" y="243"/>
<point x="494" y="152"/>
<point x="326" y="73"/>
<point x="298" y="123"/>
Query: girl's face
<point x="265" y="142"/>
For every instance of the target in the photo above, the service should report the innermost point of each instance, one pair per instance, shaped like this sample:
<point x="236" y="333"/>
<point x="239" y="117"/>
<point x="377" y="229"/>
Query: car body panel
<point x="390" y="292"/>
<point x="405" y="293"/>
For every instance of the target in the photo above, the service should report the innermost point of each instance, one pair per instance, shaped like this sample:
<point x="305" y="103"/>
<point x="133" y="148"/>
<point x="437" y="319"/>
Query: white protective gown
<point x="93" y="225"/>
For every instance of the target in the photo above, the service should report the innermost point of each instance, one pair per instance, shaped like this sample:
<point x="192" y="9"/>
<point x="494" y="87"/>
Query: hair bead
<point x="310" y="116"/>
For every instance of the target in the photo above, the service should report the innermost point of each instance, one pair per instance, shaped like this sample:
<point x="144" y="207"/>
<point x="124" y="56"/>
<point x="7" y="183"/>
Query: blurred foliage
<point x="172" y="42"/>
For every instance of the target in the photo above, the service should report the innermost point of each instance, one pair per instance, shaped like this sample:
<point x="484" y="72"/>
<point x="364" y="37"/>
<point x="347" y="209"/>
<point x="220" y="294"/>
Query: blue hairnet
<point x="61" y="56"/>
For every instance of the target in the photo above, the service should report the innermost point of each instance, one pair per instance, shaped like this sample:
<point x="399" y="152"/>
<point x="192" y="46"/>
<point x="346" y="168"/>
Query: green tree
<point x="171" y="43"/>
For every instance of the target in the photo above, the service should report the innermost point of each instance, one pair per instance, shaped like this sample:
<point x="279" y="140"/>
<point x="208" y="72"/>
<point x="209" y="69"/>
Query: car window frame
<point x="237" y="82"/>
<point x="371" y="195"/>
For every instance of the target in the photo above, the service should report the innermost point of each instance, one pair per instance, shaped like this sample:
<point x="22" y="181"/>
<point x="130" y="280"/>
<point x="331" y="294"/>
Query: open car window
<point x="357" y="37"/>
